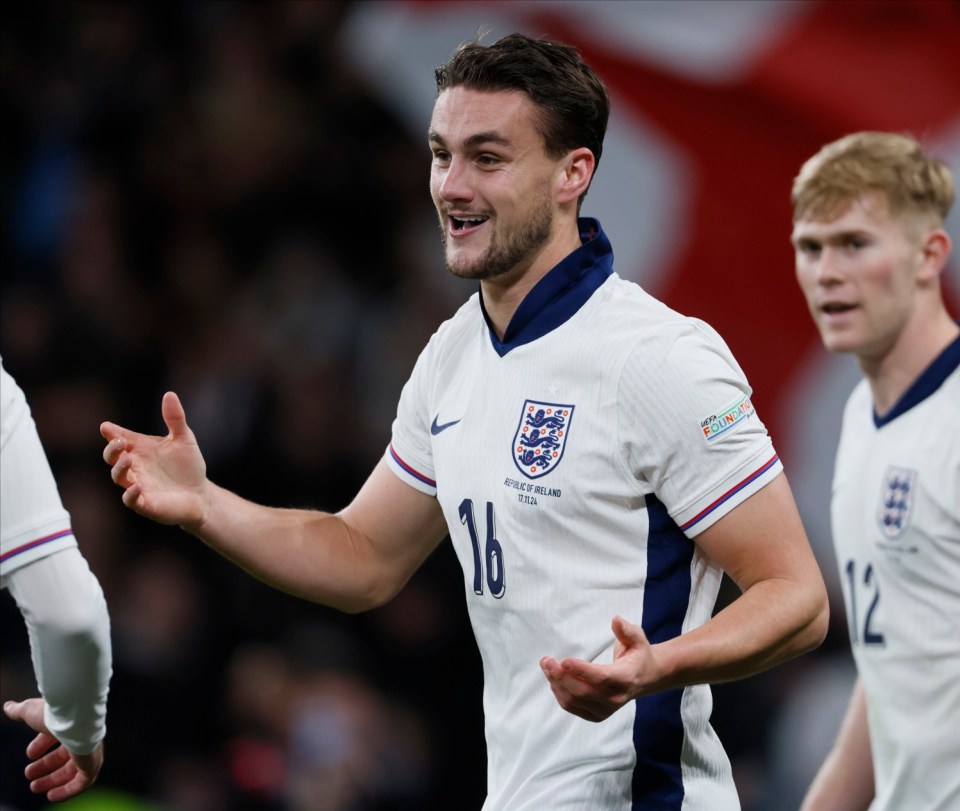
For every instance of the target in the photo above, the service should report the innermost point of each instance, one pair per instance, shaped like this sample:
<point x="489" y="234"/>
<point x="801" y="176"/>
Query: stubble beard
<point x="510" y="250"/>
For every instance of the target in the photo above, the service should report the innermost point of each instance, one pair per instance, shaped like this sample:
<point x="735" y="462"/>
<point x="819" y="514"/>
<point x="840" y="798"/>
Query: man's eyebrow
<point x="474" y="141"/>
<point x="829" y="237"/>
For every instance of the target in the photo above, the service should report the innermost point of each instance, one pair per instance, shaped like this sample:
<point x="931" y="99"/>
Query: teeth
<point x="463" y="222"/>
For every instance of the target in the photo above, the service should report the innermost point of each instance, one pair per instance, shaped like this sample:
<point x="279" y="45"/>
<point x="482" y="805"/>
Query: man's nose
<point x="455" y="185"/>
<point x="829" y="269"/>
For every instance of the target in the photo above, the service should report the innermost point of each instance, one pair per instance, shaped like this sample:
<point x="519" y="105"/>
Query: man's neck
<point x="916" y="348"/>
<point x="504" y="294"/>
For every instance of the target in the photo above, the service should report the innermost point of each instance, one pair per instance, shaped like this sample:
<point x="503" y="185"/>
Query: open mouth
<point x="462" y="224"/>
<point x="836" y="308"/>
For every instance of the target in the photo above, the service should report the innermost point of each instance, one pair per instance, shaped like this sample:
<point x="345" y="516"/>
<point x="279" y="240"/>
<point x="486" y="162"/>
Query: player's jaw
<point x="482" y="246"/>
<point x="862" y="323"/>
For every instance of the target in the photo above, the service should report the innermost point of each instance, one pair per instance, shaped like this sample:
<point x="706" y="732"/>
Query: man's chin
<point x="476" y="270"/>
<point x="461" y="271"/>
<point x="839" y="343"/>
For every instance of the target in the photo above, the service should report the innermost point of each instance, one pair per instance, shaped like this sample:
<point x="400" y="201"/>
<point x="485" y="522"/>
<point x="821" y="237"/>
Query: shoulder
<point x="860" y="398"/>
<point x="654" y="341"/>
<point x="463" y="321"/>
<point x="857" y="411"/>
<point x="452" y="335"/>
<point x="630" y="313"/>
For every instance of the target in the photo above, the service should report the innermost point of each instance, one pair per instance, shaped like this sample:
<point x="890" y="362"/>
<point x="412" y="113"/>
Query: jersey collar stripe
<point x="560" y="294"/>
<point x="731" y="492"/>
<point x="410" y="470"/>
<point x="929" y="381"/>
<point x="34" y="544"/>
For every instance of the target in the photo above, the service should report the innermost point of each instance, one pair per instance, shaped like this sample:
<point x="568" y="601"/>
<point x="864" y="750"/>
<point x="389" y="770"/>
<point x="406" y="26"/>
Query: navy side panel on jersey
<point x="658" y="727"/>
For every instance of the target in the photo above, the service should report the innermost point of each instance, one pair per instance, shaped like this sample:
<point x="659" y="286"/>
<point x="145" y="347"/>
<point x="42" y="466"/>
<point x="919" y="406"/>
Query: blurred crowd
<point x="204" y="197"/>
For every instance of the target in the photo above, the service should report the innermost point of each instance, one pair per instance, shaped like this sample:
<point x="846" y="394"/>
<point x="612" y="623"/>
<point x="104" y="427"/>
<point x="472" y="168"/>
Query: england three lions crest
<point x="896" y="501"/>
<point x="541" y="437"/>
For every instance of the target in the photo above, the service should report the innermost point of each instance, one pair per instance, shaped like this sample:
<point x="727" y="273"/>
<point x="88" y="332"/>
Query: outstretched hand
<point x="595" y="692"/>
<point x="163" y="477"/>
<point x="57" y="772"/>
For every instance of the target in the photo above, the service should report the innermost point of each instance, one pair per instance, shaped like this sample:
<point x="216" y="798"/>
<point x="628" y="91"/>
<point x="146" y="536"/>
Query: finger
<point x="43" y="742"/>
<point x="54" y="779"/>
<point x="548" y="665"/>
<point x="13" y="710"/>
<point x="113" y="449"/>
<point x="594" y="713"/>
<point x="48" y="764"/>
<point x="174" y="416"/>
<point x="131" y="497"/>
<point x="120" y="469"/>
<point x="588" y="707"/>
<point x="29" y="711"/>
<point x="584" y="672"/>
<point x="79" y="783"/>
<point x="111" y="431"/>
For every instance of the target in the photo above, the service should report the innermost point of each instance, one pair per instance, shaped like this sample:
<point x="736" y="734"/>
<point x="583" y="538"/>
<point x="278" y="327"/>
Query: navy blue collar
<point x="929" y="381"/>
<point x="559" y="294"/>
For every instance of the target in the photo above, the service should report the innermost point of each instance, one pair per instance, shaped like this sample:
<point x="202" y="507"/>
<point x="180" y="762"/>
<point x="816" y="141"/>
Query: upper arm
<point x="397" y="525"/>
<point x="763" y="539"/>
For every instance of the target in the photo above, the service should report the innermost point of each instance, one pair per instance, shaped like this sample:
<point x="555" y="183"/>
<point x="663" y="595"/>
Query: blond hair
<point x="894" y="165"/>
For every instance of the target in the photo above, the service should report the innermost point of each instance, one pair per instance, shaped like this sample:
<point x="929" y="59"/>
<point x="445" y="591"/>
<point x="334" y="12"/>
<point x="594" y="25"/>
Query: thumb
<point x="13" y="710"/>
<point x="628" y="634"/>
<point x="174" y="417"/>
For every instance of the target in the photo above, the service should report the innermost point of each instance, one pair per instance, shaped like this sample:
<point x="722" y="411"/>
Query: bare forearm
<point x="783" y="610"/>
<point x="307" y="553"/>
<point x="354" y="560"/>
<point x="770" y="623"/>
<point x="845" y="782"/>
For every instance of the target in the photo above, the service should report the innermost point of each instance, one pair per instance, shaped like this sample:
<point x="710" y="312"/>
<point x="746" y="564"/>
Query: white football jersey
<point x="574" y="461"/>
<point x="33" y="522"/>
<point x="896" y="530"/>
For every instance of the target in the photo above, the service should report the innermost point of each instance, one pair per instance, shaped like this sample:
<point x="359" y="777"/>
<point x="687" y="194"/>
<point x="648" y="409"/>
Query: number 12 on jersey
<point x="492" y="554"/>
<point x="870" y="589"/>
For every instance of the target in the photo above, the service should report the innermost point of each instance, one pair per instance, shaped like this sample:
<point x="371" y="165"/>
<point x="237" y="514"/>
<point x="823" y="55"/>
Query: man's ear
<point x="935" y="250"/>
<point x="577" y="171"/>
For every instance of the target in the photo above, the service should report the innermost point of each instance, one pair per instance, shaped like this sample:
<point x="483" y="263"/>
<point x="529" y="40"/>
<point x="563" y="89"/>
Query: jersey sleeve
<point x="33" y="521"/>
<point x="689" y="427"/>
<point x="410" y="455"/>
<point x="69" y="630"/>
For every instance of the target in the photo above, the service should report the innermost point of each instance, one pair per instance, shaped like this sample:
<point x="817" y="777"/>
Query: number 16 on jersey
<point x="492" y="558"/>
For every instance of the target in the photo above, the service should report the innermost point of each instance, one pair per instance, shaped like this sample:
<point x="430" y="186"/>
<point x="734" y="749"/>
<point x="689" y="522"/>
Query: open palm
<point x="163" y="478"/>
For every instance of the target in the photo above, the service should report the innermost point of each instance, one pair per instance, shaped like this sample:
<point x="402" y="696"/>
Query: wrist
<point x="665" y="670"/>
<point x="199" y="517"/>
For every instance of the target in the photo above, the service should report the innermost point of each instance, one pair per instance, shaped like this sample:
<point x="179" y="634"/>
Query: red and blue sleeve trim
<point x="410" y="470"/>
<point x="34" y="544"/>
<point x="731" y="493"/>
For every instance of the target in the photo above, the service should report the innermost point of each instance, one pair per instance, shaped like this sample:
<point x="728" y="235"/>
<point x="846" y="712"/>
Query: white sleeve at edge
<point x="69" y="629"/>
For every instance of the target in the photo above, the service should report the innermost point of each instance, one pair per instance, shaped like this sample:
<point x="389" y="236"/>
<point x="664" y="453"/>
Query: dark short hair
<point x="572" y="100"/>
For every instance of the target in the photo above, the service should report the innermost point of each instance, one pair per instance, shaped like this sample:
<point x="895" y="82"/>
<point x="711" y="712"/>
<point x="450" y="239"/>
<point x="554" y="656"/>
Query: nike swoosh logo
<point x="436" y="429"/>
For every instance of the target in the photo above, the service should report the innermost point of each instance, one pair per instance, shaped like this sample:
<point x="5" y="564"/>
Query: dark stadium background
<point x="230" y="200"/>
